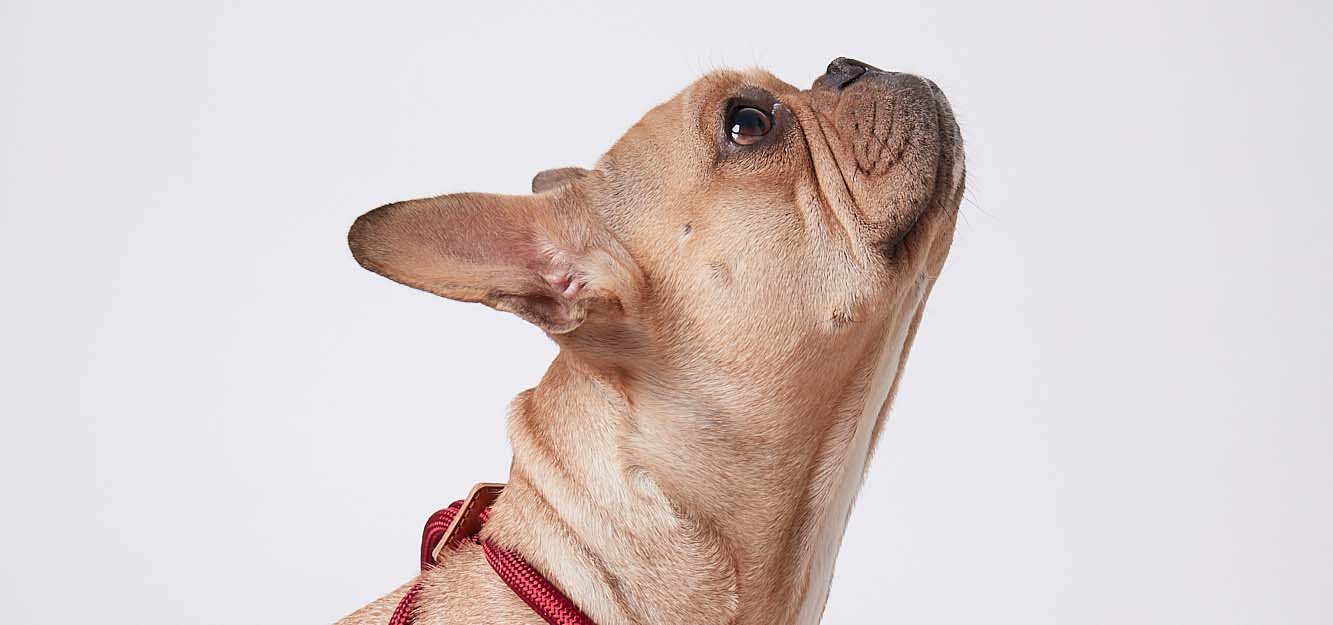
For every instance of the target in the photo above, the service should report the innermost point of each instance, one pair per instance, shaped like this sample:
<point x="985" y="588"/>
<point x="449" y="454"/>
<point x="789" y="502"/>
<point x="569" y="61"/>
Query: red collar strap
<point x="463" y="521"/>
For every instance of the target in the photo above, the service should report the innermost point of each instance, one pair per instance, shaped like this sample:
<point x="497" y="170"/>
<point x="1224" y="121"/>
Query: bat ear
<point x="556" y="178"/>
<point x="546" y="258"/>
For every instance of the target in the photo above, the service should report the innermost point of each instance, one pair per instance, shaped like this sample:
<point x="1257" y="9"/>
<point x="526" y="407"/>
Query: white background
<point x="1117" y="410"/>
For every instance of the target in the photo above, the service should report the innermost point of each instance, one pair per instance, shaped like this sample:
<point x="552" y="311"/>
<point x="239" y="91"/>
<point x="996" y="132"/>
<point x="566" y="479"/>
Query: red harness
<point x="463" y="521"/>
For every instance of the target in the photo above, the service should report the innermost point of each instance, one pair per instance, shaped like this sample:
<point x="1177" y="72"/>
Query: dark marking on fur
<point x="720" y="272"/>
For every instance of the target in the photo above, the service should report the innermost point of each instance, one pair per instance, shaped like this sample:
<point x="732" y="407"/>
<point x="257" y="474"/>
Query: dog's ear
<point x="546" y="258"/>
<point x="556" y="178"/>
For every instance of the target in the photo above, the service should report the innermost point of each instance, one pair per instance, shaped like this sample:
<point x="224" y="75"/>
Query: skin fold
<point x="733" y="319"/>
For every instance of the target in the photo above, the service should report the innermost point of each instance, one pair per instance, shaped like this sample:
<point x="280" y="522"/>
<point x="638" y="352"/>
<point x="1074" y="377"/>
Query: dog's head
<point x="745" y="222"/>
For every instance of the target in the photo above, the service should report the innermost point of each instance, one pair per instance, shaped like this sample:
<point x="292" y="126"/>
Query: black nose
<point x="843" y="71"/>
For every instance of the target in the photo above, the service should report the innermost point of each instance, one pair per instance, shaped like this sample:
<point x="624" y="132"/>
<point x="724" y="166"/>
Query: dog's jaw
<point x="847" y="468"/>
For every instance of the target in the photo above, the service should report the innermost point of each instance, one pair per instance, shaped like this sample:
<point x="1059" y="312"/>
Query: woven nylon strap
<point x="530" y="586"/>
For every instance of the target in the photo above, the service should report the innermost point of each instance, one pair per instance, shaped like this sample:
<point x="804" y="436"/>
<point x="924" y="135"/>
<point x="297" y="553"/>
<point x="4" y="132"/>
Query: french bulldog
<point x="734" y="289"/>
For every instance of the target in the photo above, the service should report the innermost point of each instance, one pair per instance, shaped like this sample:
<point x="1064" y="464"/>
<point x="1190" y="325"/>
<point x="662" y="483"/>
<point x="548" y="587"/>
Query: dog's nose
<point x="844" y="71"/>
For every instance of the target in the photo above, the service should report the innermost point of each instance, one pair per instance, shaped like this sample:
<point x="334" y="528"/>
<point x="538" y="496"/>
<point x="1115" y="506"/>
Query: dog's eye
<point x="748" y="124"/>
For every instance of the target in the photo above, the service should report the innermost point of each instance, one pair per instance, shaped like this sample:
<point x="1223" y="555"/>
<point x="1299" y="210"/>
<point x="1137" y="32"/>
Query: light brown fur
<point x="732" y="322"/>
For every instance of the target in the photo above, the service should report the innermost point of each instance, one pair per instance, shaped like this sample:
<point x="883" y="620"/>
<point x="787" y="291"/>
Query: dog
<point x="734" y="289"/>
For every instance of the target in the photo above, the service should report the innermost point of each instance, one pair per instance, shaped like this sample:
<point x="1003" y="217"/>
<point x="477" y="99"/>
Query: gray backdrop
<point x="1117" y="410"/>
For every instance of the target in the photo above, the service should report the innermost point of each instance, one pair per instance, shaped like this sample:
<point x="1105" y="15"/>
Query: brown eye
<point x="748" y="124"/>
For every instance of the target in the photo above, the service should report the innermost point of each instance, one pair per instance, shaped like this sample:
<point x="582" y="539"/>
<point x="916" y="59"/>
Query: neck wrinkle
<point x="592" y="519"/>
<point x="746" y="531"/>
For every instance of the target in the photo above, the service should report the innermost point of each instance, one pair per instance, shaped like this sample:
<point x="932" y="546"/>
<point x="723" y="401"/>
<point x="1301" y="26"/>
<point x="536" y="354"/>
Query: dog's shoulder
<point x="461" y="590"/>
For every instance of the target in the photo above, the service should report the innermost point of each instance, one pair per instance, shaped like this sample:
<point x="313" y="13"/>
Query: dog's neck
<point x="653" y="506"/>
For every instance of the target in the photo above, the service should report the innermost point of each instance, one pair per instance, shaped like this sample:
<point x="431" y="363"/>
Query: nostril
<point x="843" y="71"/>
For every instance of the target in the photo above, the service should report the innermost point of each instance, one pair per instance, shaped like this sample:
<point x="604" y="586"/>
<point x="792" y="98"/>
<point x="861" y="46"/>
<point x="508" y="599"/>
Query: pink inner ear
<point x="573" y="288"/>
<point x="523" y="254"/>
<point x="565" y="283"/>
